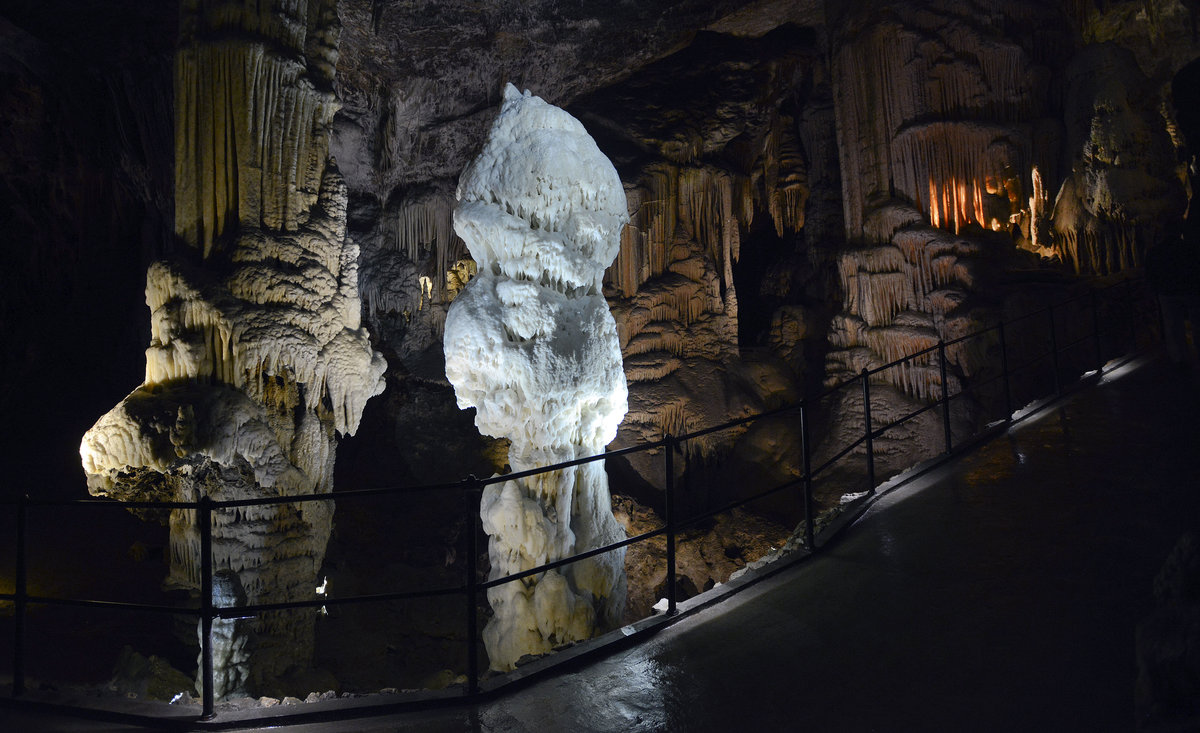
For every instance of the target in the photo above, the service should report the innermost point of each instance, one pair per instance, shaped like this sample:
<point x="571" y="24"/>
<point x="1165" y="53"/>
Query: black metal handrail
<point x="472" y="488"/>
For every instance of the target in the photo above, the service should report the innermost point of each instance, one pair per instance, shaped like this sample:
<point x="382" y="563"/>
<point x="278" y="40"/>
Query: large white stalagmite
<point x="257" y="357"/>
<point x="531" y="344"/>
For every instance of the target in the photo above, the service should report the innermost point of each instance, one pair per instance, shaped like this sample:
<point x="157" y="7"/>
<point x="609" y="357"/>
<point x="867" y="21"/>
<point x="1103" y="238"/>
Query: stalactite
<point x="896" y="299"/>
<point x="785" y="177"/>
<point x="422" y="226"/>
<point x="259" y="359"/>
<point x="945" y="168"/>
<point x="673" y="418"/>
<point x="250" y="140"/>
<point x="1095" y="245"/>
<point x="711" y="205"/>
<point x="890" y="148"/>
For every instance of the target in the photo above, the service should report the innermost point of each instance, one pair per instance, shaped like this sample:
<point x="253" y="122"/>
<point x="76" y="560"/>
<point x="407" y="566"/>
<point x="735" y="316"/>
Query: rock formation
<point x="811" y="188"/>
<point x="257" y="357"/>
<point x="531" y="345"/>
<point x="716" y="174"/>
<point x="1123" y="193"/>
<point x="942" y="153"/>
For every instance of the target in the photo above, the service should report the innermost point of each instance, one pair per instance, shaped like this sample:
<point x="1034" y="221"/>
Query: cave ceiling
<point x="420" y="76"/>
<point x="710" y="98"/>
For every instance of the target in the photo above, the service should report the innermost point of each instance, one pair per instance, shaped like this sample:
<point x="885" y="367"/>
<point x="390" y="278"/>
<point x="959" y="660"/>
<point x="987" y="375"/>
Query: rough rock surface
<point x="704" y="556"/>
<point x="531" y="345"/>
<point x="257" y="356"/>
<point x="1123" y="193"/>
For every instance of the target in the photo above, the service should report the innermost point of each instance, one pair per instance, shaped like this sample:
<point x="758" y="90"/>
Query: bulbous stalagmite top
<point x="541" y="200"/>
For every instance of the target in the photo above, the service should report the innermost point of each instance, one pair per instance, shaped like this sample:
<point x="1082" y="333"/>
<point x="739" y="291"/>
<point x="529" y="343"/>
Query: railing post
<point x="945" y="394"/>
<point x="204" y="517"/>
<point x="1008" y="408"/>
<point x="866" y="388"/>
<point x="1054" y="351"/>
<point x="806" y="452"/>
<point x="669" y="505"/>
<point x="1096" y="334"/>
<point x="1132" y="321"/>
<point x="18" y="684"/>
<point x="471" y="499"/>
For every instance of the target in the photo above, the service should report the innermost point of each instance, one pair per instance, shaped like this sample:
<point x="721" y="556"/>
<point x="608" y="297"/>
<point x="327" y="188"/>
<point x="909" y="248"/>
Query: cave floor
<point x="998" y="592"/>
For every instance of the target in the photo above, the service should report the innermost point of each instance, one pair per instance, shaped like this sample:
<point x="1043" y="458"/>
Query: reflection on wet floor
<point x="1000" y="592"/>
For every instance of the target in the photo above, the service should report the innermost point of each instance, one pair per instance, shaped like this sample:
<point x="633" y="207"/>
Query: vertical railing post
<point x="806" y="452"/>
<point x="1054" y="351"/>
<point x="1008" y="408"/>
<point x="945" y="395"/>
<point x="471" y="498"/>
<point x="1096" y="334"/>
<point x="1132" y="317"/>
<point x="870" y="439"/>
<point x="18" y="684"/>
<point x="669" y="505"/>
<point x="204" y="517"/>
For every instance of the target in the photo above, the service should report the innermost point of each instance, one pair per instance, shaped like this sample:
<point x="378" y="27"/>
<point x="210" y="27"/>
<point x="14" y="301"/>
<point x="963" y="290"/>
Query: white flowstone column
<point x="531" y="344"/>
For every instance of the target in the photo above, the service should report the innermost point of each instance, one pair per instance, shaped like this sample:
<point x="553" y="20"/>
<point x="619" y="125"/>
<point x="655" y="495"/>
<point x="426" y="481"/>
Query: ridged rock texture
<point x="257" y="358"/>
<point x="531" y="345"/>
<point x="944" y="130"/>
<point x="715" y="157"/>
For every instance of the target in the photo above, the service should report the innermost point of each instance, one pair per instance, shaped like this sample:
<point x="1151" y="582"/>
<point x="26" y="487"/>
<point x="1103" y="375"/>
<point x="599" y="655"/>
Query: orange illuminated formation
<point x="955" y="204"/>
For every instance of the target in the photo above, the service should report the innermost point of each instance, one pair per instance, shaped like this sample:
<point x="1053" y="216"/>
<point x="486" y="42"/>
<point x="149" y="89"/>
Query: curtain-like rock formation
<point x="531" y="345"/>
<point x="943" y="137"/>
<point x="714" y="169"/>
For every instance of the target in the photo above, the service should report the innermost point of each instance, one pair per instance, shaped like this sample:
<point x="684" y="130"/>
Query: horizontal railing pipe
<point x="709" y="513"/>
<point x="555" y="564"/>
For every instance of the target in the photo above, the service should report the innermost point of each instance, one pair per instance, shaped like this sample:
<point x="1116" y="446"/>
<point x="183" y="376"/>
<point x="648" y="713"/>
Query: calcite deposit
<point x="1123" y="192"/>
<point x="257" y="357"/>
<point x="531" y="345"/>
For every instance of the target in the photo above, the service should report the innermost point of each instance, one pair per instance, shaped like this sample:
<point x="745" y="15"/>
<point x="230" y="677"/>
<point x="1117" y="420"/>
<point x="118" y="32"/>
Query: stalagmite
<point x="531" y="345"/>
<point x="257" y="357"/>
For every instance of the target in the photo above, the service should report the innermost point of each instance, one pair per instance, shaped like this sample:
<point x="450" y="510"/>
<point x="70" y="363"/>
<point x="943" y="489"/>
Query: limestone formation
<point x="811" y="188"/>
<point x="1123" y="193"/>
<point x="724" y="160"/>
<point x="257" y="358"/>
<point x="531" y="345"/>
<point x="942" y="154"/>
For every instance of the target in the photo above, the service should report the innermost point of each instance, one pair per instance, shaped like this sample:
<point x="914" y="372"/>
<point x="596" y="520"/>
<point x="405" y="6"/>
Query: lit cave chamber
<point x="385" y="252"/>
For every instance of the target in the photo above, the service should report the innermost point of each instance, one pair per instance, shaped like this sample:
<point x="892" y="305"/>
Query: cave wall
<point x="812" y="189"/>
<point x="85" y="205"/>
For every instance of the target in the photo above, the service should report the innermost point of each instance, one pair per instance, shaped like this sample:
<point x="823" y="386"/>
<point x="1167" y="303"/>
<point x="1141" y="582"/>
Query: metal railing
<point x="1123" y="293"/>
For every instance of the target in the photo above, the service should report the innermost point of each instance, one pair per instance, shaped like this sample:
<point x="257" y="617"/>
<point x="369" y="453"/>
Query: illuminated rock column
<point x="531" y="345"/>
<point x="257" y="357"/>
<point x="941" y="129"/>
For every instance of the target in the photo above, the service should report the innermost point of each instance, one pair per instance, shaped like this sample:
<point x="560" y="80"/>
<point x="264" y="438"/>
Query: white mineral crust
<point x="531" y="344"/>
